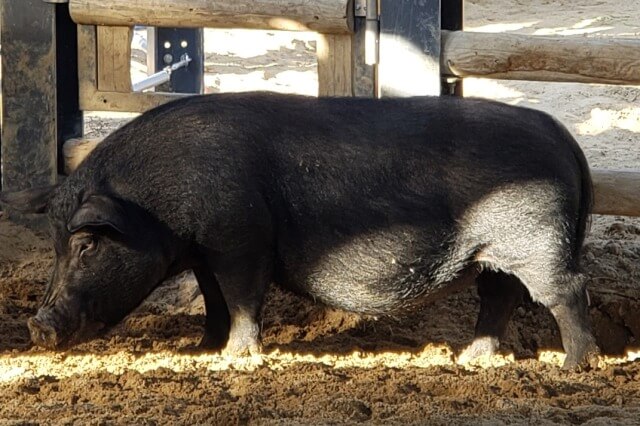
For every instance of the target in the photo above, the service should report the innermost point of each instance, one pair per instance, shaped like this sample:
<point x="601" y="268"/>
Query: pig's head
<point x="110" y="254"/>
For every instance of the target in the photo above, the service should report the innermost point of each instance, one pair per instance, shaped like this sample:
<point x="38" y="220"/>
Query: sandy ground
<point x="323" y="366"/>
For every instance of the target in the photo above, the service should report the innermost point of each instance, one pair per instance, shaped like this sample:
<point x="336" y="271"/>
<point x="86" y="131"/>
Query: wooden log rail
<point x="323" y="16"/>
<point x="540" y="58"/>
<point x="616" y="192"/>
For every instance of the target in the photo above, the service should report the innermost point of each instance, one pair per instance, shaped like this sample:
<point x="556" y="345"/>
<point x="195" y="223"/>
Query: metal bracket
<point x="360" y="8"/>
<point x="162" y="76"/>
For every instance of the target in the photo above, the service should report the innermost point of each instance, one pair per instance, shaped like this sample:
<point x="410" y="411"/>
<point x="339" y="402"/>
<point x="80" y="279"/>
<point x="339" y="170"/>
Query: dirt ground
<point x="322" y="366"/>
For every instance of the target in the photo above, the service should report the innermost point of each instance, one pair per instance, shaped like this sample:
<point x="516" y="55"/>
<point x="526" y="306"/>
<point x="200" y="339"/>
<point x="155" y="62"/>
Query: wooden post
<point x="114" y="58"/>
<point x="409" y="48"/>
<point x="326" y="16"/>
<point x="334" y="65"/>
<point x="29" y="104"/>
<point x="92" y="99"/>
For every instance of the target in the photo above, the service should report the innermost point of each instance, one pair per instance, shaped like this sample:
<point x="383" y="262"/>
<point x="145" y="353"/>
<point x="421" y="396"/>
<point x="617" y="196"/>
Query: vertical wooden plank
<point x="409" y="48"/>
<point x="29" y="131"/>
<point x="334" y="65"/>
<point x="87" y="65"/>
<point x="114" y="58"/>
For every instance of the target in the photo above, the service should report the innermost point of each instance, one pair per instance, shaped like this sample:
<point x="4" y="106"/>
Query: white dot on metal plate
<point x="167" y="45"/>
<point x="184" y="43"/>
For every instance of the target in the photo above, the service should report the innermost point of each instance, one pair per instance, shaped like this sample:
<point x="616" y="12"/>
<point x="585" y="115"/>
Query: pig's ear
<point x="98" y="211"/>
<point x="34" y="200"/>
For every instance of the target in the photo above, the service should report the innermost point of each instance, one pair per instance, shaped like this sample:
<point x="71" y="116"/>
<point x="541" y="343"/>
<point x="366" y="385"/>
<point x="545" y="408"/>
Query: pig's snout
<point x="42" y="334"/>
<point x="55" y="322"/>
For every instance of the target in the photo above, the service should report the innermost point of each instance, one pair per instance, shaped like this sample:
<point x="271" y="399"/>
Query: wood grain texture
<point x="616" y="192"/>
<point x="327" y="16"/>
<point x="334" y="65"/>
<point x="29" y="108"/>
<point x="540" y="58"/>
<point x="114" y="58"/>
<point x="87" y="64"/>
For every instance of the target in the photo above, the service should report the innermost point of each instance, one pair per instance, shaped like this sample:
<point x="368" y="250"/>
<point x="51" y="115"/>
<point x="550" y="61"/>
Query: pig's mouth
<point x="48" y="333"/>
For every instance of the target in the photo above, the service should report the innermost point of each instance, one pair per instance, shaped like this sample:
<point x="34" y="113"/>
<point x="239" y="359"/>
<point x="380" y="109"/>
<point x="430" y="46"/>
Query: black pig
<point x="371" y="206"/>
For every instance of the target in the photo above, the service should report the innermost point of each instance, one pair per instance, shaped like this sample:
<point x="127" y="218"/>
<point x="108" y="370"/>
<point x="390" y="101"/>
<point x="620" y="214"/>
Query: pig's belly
<point x="377" y="273"/>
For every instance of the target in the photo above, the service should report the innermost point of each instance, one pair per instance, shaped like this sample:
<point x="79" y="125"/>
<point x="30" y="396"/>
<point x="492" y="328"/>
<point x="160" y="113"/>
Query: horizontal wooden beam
<point x="540" y="58"/>
<point x="125" y="102"/>
<point x="325" y="16"/>
<point x="616" y="192"/>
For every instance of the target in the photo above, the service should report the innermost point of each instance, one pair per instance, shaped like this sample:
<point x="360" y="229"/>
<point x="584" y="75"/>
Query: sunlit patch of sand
<point x="14" y="367"/>
<point x="491" y="89"/>
<point x="500" y="27"/>
<point x="250" y="43"/>
<point x="602" y="120"/>
<point x="289" y="81"/>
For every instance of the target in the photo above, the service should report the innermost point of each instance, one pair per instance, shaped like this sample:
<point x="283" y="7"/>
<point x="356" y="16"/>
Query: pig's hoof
<point x="211" y="343"/>
<point x="242" y="348"/>
<point x="586" y="362"/>
<point x="481" y="346"/>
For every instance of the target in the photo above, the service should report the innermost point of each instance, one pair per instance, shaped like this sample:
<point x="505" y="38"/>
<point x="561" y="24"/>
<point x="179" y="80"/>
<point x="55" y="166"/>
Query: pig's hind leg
<point x="243" y="283"/>
<point x="567" y="300"/>
<point x="499" y="294"/>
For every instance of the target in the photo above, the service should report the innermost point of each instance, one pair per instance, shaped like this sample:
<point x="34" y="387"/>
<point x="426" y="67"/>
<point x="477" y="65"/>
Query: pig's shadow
<point x="293" y="324"/>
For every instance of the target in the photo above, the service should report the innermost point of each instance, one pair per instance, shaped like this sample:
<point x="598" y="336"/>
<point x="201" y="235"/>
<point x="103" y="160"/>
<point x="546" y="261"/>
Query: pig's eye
<point x="86" y="246"/>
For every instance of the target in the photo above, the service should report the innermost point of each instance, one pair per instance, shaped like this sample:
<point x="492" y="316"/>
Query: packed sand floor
<point x="323" y="366"/>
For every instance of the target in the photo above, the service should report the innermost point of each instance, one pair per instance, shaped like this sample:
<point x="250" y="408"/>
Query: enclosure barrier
<point x="540" y="58"/>
<point x="105" y="29"/>
<point x="416" y="40"/>
<point x="323" y="16"/>
<point x="617" y="192"/>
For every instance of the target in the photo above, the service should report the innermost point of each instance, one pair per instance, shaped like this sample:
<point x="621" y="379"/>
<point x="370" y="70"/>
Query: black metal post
<point x="453" y="20"/>
<point x="170" y="44"/>
<point x="363" y="73"/>
<point x="70" y="118"/>
<point x="409" y="48"/>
